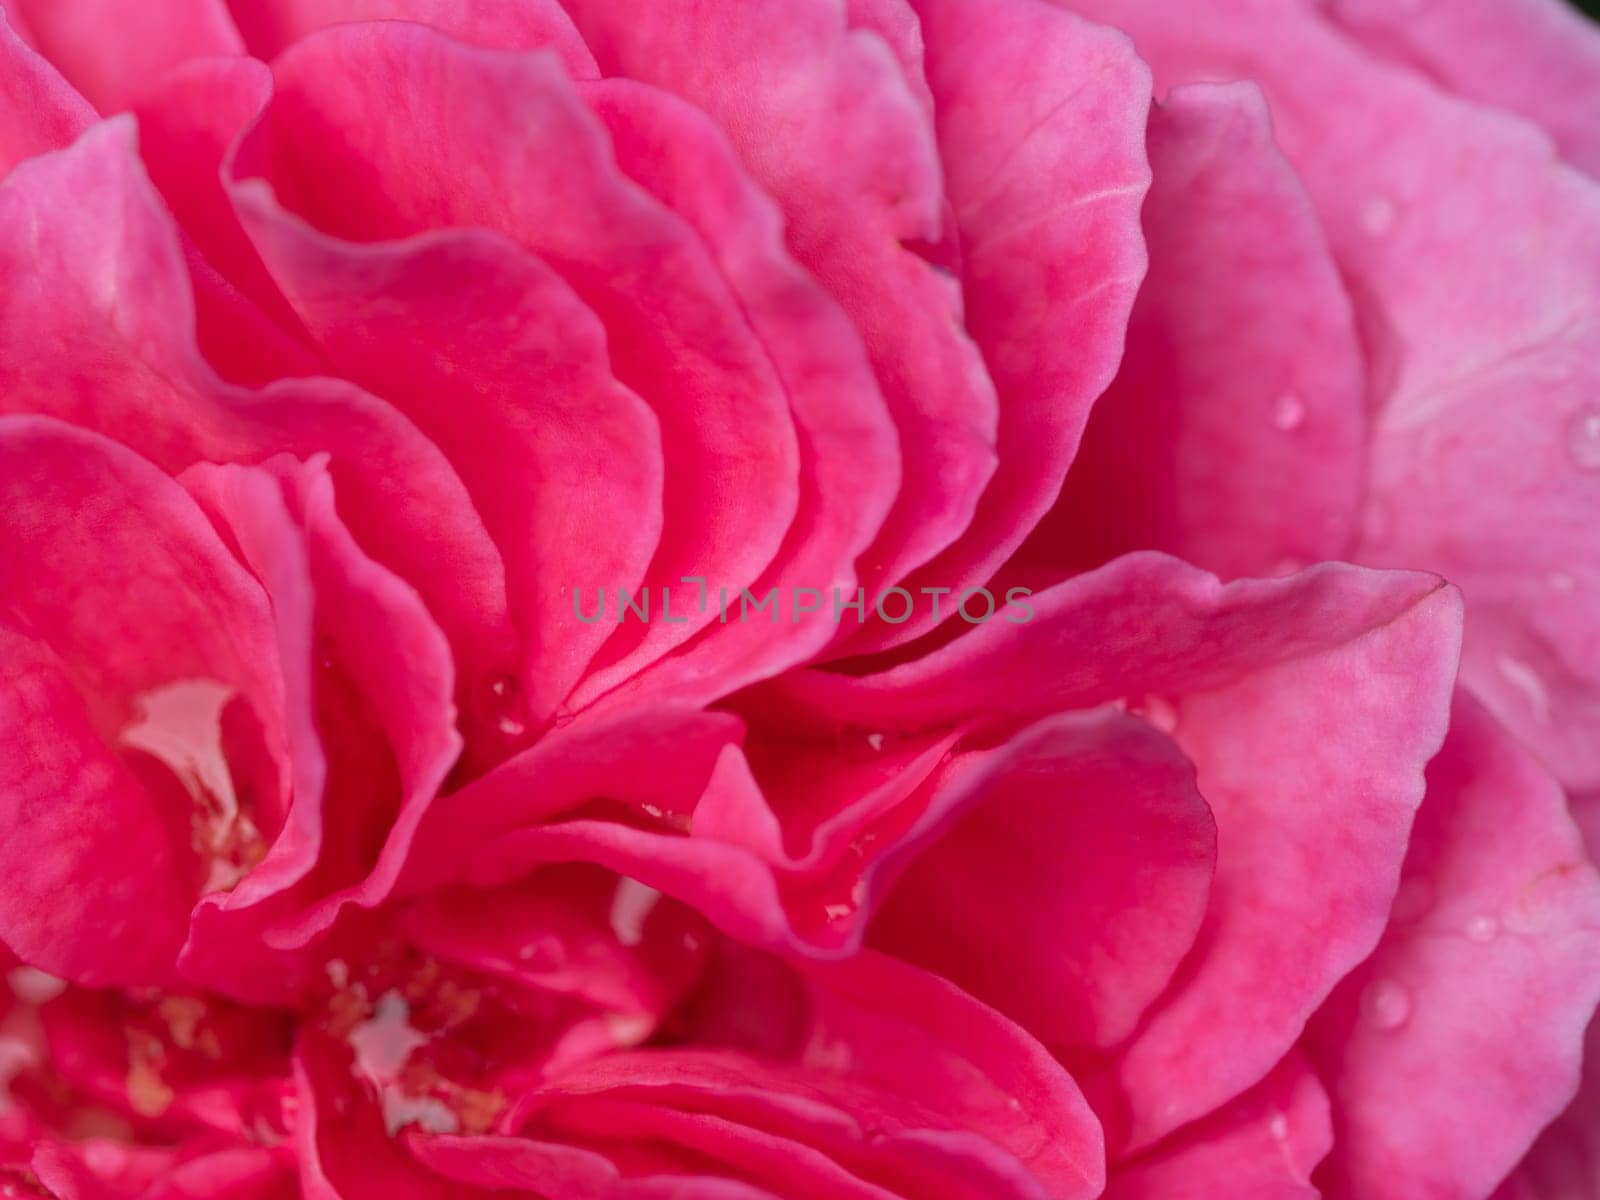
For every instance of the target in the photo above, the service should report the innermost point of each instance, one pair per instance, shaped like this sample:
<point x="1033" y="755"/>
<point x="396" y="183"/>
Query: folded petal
<point x="825" y="121"/>
<point x="1072" y="884"/>
<point x="1262" y="1146"/>
<point x="1041" y="120"/>
<point x="530" y="419"/>
<point x="1235" y="433"/>
<point x="135" y="629"/>
<point x="550" y="182"/>
<point x="271" y="26"/>
<point x="97" y="330"/>
<point x="1483" y="364"/>
<point x="39" y="111"/>
<point x="150" y="40"/>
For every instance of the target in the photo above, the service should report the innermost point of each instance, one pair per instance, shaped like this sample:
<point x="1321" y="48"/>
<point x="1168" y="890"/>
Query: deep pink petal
<point x="1235" y="433"/>
<point x="112" y="51"/>
<point x="530" y="419"/>
<point x="1479" y="993"/>
<point x="1262" y="1146"/>
<point x="825" y="121"/>
<point x="270" y="26"/>
<point x="112" y="350"/>
<point x="849" y="465"/>
<point x="593" y="759"/>
<point x="187" y="123"/>
<point x="550" y="182"/>
<point x="121" y="602"/>
<point x="1073" y="884"/>
<point x="1537" y="58"/>
<point x="39" y="111"/>
<point x="1041" y="121"/>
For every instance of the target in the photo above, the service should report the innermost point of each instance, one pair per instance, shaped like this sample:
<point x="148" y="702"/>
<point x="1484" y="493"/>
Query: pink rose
<point x="788" y="599"/>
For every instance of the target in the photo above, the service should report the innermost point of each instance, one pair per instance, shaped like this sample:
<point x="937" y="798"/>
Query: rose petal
<point x="550" y="183"/>
<point x="1537" y="58"/>
<point x="1484" y="364"/>
<point x="125" y="593"/>
<point x="1479" y="1002"/>
<point x="271" y="26"/>
<point x="1235" y="433"/>
<point x="530" y="419"/>
<point x="1073" y="884"/>
<point x="849" y="459"/>
<point x="111" y="349"/>
<point x="39" y="111"/>
<point x="1263" y="1145"/>
<point x="1041" y="121"/>
<point x="825" y="122"/>
<point x="151" y="39"/>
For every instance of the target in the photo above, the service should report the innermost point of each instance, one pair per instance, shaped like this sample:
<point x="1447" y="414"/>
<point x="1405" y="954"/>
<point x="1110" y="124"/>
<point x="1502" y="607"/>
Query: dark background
<point x="1592" y="7"/>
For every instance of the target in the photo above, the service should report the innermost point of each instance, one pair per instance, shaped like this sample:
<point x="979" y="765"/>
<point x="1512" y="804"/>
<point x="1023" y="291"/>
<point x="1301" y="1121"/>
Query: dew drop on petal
<point x="1378" y="216"/>
<point x="1288" y="412"/>
<point x="1561" y="581"/>
<point x="1482" y="929"/>
<point x="503" y="700"/>
<point x="1583" y="439"/>
<point x="1386" y="1004"/>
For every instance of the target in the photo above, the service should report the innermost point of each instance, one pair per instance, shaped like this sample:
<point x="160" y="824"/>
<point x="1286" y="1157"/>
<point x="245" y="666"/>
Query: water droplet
<point x="1583" y="439"/>
<point x="1412" y="901"/>
<point x="631" y="904"/>
<point x="1378" y="216"/>
<point x="503" y="699"/>
<point x="1279" y="1127"/>
<point x="1482" y="929"/>
<point x="1387" y="1004"/>
<point x="875" y="740"/>
<point x="1288" y="412"/>
<point x="1562" y="582"/>
<point x="1525" y="680"/>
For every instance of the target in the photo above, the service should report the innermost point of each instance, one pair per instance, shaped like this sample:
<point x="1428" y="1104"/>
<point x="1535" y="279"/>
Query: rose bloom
<point x="352" y="350"/>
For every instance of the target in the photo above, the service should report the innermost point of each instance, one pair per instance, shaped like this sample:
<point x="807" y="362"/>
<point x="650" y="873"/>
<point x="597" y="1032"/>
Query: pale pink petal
<point x="1484" y="365"/>
<point x="1537" y="58"/>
